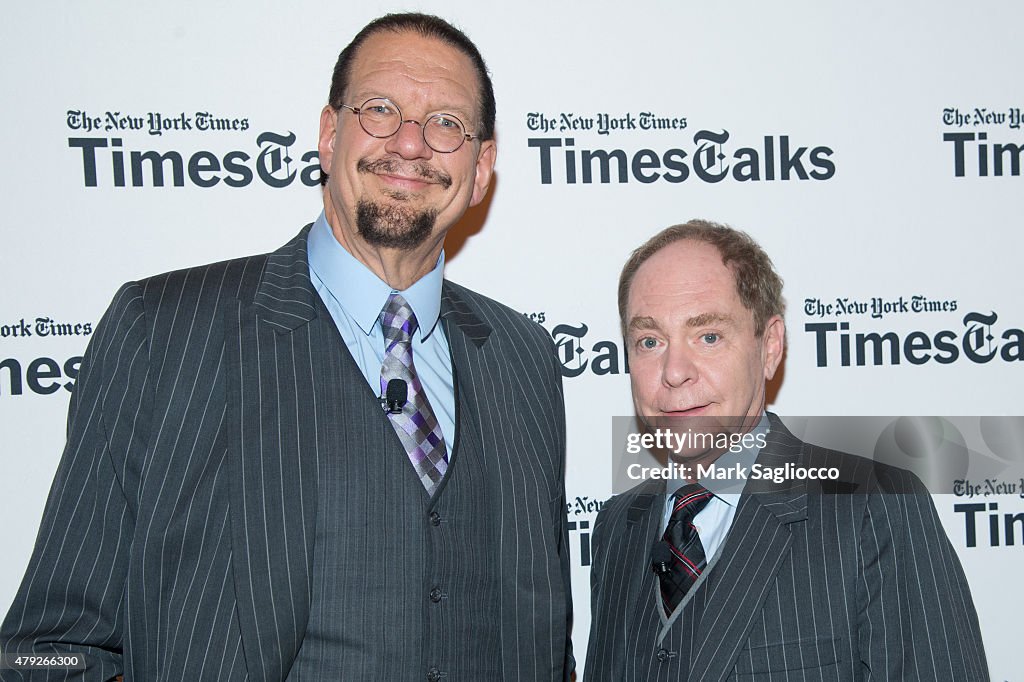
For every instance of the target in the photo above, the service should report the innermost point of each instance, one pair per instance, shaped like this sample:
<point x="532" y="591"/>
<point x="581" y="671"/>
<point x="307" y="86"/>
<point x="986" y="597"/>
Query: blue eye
<point x="443" y="121"/>
<point x="378" y="107"/>
<point x="648" y="343"/>
<point x="710" y="338"/>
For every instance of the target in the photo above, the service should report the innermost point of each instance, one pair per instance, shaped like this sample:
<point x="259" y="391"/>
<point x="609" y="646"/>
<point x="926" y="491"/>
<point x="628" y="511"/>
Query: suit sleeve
<point x="917" y="620"/>
<point x="596" y="563"/>
<point x="598" y="654"/>
<point x="71" y="598"/>
<point x="560" y="514"/>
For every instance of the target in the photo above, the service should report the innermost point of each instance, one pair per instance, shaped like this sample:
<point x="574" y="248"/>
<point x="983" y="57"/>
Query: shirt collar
<point x="360" y="292"/>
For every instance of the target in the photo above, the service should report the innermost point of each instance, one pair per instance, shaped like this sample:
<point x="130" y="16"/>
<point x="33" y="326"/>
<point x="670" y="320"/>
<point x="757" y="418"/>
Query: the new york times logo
<point x="602" y="357"/>
<point x="154" y="122"/>
<point x="973" y="153"/>
<point x="603" y="123"/>
<point x="107" y="162"/>
<point x="979" y="341"/>
<point x="582" y="505"/>
<point x="712" y="159"/>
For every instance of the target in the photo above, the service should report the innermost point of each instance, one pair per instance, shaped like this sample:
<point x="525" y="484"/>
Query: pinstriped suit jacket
<point x="854" y="583"/>
<point x="178" y="538"/>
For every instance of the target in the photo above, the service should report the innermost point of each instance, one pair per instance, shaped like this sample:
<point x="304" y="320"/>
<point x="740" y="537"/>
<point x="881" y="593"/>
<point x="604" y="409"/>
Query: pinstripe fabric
<point x="180" y="536"/>
<point x="809" y="585"/>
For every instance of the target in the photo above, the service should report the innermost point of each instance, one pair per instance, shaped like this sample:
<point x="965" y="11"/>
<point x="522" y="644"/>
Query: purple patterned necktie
<point x="687" y="551"/>
<point x="416" y="424"/>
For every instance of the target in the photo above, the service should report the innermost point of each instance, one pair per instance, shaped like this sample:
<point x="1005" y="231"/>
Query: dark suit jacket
<point x="178" y="540"/>
<point x="846" y="581"/>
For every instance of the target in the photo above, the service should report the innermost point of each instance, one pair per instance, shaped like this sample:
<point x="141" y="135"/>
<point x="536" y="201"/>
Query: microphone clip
<point x="396" y="395"/>
<point x="661" y="558"/>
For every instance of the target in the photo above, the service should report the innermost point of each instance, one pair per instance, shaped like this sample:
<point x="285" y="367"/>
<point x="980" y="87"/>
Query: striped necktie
<point x="688" y="560"/>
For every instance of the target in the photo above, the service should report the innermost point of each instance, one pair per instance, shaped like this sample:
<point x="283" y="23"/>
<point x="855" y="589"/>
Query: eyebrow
<point x="643" y="323"/>
<point x="705" y="319"/>
<point x="646" y="323"/>
<point x="447" y="109"/>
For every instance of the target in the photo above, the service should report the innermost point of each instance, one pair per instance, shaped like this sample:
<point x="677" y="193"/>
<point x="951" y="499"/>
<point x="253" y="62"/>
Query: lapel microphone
<point x="395" y="396"/>
<point x="661" y="557"/>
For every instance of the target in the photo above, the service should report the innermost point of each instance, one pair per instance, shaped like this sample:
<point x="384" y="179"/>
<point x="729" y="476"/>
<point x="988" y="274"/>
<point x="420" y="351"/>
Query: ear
<point x="328" y="133"/>
<point x="772" y="345"/>
<point x="484" y="171"/>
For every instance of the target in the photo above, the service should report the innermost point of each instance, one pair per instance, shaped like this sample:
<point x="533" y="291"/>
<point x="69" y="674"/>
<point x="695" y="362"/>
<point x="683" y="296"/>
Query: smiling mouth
<point x="410" y="177"/>
<point x="688" y="411"/>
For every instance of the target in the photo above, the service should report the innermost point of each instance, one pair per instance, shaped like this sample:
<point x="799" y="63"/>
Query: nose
<point x="408" y="142"/>
<point x="678" y="366"/>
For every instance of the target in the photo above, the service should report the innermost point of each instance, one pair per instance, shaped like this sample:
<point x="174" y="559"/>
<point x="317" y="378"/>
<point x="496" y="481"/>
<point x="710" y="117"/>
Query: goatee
<point x="391" y="226"/>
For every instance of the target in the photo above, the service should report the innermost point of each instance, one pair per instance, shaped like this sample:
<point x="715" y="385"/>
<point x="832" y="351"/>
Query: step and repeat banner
<point x="874" y="150"/>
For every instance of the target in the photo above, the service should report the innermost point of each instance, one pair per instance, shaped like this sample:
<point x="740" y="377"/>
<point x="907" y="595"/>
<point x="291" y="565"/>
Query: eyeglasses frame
<point x="466" y="137"/>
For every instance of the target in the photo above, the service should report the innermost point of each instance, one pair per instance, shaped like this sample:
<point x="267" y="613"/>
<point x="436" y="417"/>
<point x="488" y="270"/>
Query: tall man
<point x="238" y="502"/>
<point x="807" y="580"/>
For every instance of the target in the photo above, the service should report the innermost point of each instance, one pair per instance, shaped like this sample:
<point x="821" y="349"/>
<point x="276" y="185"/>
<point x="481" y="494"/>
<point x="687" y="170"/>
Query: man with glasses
<point x="326" y="462"/>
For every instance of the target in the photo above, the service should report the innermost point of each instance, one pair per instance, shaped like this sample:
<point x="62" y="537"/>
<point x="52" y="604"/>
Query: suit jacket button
<point x="433" y="675"/>
<point x="435" y="594"/>
<point x="435" y="518"/>
<point x="663" y="655"/>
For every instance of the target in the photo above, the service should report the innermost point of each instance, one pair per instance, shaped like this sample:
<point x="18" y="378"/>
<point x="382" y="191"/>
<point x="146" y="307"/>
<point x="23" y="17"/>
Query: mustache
<point x="391" y="166"/>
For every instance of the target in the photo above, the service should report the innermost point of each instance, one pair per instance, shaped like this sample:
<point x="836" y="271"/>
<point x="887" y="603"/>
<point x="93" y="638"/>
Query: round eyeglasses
<point x="380" y="117"/>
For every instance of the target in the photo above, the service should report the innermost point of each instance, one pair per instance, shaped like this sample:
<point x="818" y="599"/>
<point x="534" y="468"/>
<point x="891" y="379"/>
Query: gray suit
<point x="232" y="503"/>
<point x="853" y="580"/>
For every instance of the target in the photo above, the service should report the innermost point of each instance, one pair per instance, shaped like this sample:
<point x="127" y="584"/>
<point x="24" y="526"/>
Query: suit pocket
<point x="803" y="654"/>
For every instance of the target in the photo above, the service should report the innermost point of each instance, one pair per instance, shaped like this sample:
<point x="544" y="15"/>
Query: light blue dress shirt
<point x="355" y="296"/>
<point x="714" y="520"/>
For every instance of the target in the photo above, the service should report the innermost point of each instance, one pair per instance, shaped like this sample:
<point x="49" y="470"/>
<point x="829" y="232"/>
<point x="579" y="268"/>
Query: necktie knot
<point x="689" y="501"/>
<point x="397" y="320"/>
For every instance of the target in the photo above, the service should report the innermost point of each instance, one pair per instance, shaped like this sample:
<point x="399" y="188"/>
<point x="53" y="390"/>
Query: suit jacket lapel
<point x="271" y="435"/>
<point x="460" y="316"/>
<point x="467" y="337"/>
<point x="758" y="543"/>
<point x="643" y="522"/>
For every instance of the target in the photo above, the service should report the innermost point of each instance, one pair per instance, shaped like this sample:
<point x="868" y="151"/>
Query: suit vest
<point x="403" y="586"/>
<point x="658" y="651"/>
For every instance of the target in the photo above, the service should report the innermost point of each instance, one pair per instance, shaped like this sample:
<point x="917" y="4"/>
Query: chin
<point x="393" y="225"/>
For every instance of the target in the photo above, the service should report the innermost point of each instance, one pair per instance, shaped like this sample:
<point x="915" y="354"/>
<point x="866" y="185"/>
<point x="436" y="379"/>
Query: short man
<point x="798" y="582"/>
<point x="237" y="501"/>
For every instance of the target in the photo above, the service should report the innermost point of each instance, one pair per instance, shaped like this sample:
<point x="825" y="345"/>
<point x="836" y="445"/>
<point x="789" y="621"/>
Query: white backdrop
<point x="908" y="185"/>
